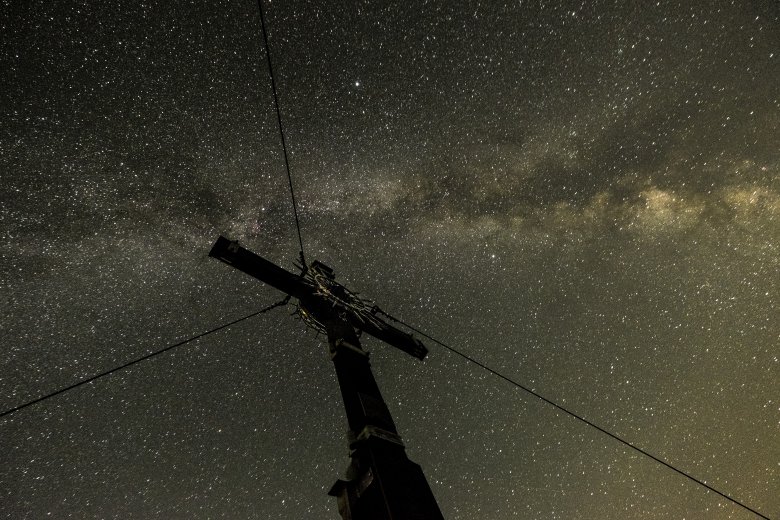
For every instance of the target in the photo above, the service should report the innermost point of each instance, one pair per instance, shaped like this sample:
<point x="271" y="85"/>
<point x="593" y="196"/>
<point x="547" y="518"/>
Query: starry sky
<point x="583" y="195"/>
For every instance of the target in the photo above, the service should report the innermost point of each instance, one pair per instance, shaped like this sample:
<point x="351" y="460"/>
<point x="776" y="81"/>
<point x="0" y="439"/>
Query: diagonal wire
<point x="142" y="358"/>
<point x="576" y="416"/>
<point x="281" y="129"/>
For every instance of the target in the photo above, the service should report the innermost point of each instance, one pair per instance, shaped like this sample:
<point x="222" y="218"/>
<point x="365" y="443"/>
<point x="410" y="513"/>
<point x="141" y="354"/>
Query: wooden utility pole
<point x="381" y="482"/>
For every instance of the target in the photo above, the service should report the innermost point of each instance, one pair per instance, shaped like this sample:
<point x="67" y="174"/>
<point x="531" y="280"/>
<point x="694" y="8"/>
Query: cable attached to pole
<point x="281" y="129"/>
<point x="142" y="358"/>
<point x="572" y="414"/>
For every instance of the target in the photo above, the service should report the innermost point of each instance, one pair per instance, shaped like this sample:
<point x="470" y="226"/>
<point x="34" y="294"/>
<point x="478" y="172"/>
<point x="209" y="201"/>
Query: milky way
<point x="585" y="197"/>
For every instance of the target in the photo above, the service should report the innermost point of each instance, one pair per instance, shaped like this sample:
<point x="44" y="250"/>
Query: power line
<point x="142" y="358"/>
<point x="578" y="417"/>
<point x="281" y="129"/>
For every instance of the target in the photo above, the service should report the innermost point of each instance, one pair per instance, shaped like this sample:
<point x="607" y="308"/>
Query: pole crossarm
<point x="318" y="293"/>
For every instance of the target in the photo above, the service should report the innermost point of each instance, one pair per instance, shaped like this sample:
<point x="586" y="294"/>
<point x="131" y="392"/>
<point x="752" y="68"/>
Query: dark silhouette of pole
<point x="381" y="483"/>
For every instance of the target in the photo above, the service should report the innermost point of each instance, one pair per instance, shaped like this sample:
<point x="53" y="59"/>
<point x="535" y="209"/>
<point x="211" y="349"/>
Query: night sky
<point x="583" y="195"/>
